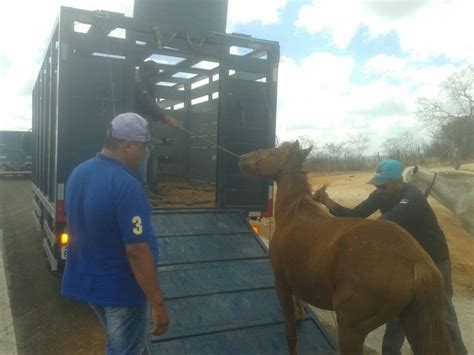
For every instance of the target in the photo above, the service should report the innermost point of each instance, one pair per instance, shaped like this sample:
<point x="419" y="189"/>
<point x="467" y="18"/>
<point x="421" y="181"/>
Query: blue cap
<point x="385" y="171"/>
<point x="131" y="127"/>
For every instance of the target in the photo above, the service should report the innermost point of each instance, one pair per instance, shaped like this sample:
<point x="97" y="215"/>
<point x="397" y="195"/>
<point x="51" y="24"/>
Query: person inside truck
<point x="112" y="250"/>
<point x="146" y="106"/>
<point x="405" y="205"/>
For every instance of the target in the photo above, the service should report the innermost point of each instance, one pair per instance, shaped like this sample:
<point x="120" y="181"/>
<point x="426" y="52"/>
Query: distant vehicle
<point x="15" y="153"/>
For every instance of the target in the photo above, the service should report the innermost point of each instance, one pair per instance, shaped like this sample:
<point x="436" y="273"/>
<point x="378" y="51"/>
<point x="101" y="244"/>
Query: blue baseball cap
<point x="385" y="171"/>
<point x="130" y="126"/>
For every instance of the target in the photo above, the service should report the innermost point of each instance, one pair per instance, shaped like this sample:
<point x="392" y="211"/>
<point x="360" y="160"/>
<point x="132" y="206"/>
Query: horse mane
<point x="304" y="205"/>
<point x="451" y="174"/>
<point x="456" y="174"/>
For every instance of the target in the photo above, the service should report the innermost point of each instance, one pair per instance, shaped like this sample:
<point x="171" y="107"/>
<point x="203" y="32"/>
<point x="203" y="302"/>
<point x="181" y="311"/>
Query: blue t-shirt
<point x="106" y="209"/>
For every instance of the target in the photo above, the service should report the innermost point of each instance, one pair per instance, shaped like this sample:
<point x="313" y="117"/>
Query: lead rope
<point x="211" y="144"/>
<point x="427" y="192"/>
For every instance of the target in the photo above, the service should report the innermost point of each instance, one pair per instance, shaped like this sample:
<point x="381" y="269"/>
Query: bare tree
<point x="359" y="144"/>
<point x="404" y="148"/>
<point x="306" y="141"/>
<point x="451" y="114"/>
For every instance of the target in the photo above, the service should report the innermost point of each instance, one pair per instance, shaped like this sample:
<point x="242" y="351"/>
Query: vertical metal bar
<point x="54" y="113"/>
<point x="186" y="124"/>
<point x="48" y="132"/>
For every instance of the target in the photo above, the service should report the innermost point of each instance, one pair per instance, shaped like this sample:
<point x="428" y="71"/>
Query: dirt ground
<point x="350" y="188"/>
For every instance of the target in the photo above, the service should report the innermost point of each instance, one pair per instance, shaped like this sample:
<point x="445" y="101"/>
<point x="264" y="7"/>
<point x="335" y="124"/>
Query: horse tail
<point x="424" y="319"/>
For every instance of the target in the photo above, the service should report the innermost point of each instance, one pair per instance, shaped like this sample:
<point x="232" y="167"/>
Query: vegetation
<point x="449" y="117"/>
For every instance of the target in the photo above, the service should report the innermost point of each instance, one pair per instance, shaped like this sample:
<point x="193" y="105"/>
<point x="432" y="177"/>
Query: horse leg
<point x="286" y="301"/>
<point x="299" y="309"/>
<point x="351" y="340"/>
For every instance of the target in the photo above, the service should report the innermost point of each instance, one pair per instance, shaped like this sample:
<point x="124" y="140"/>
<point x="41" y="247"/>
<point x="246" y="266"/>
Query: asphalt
<point x="44" y="322"/>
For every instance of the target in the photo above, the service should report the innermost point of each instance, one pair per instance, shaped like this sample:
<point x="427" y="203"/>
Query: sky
<point x="348" y="67"/>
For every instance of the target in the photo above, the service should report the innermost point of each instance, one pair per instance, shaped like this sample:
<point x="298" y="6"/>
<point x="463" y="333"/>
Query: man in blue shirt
<point x="112" y="250"/>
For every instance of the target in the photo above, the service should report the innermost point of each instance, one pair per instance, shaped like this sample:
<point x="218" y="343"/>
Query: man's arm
<point x="143" y="268"/>
<point x="148" y="104"/>
<point x="362" y="210"/>
<point x="134" y="218"/>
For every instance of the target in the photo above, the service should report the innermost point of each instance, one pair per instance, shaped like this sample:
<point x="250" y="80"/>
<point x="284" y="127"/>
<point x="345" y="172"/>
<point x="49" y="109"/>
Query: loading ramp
<point x="219" y="289"/>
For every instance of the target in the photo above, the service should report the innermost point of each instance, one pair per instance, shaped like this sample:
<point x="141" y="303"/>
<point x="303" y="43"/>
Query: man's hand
<point x="160" y="319"/>
<point x="144" y="269"/>
<point x="321" y="195"/>
<point x="170" y="121"/>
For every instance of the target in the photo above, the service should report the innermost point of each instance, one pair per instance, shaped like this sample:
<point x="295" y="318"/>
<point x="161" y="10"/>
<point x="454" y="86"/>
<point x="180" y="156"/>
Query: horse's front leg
<point x="286" y="301"/>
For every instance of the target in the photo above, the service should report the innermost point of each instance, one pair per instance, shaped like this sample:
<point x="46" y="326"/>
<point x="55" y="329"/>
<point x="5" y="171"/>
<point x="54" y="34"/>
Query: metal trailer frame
<point x="222" y="87"/>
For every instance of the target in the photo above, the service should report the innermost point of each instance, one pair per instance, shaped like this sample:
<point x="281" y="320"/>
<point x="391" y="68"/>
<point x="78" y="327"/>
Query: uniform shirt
<point x="411" y="211"/>
<point x="146" y="104"/>
<point x="106" y="209"/>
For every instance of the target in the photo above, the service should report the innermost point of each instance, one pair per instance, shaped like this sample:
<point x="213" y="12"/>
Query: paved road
<point x="44" y="322"/>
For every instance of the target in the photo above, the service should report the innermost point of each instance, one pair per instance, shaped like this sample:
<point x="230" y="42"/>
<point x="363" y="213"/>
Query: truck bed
<point x="219" y="289"/>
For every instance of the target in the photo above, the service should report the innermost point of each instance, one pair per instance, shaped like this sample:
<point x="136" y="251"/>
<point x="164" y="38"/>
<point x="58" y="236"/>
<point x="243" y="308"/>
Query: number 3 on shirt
<point x="137" y="222"/>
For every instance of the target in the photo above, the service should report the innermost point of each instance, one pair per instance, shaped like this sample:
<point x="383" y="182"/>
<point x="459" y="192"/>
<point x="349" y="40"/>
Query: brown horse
<point x="367" y="271"/>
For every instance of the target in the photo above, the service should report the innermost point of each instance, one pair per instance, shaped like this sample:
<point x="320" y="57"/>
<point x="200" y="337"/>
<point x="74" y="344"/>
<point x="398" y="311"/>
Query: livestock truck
<point x="222" y="89"/>
<point x="15" y="153"/>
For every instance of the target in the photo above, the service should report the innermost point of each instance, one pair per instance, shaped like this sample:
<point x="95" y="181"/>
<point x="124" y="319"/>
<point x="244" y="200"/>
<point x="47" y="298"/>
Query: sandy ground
<point x="349" y="189"/>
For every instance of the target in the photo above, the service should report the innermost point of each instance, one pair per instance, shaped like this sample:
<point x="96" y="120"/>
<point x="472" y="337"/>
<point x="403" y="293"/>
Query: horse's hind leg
<point x="287" y="304"/>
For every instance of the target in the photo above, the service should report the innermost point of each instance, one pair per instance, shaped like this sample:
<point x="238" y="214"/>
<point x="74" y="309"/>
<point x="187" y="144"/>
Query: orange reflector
<point x="256" y="230"/>
<point x="64" y="238"/>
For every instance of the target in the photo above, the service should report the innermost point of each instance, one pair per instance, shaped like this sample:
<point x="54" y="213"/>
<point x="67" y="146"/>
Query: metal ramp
<point x="219" y="289"/>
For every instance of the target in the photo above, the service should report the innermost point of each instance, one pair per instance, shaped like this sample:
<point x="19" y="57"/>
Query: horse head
<point x="409" y="173"/>
<point x="272" y="162"/>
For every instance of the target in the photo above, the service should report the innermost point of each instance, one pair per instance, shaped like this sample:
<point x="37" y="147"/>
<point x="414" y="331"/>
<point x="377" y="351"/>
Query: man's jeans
<point x="394" y="335"/>
<point x="126" y="328"/>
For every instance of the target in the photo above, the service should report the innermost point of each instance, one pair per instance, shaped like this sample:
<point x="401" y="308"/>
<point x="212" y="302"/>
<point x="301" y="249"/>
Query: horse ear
<point x="304" y="153"/>
<point x="415" y="169"/>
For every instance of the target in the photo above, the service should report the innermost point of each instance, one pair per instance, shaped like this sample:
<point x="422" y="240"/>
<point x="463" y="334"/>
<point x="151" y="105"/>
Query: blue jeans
<point x="126" y="328"/>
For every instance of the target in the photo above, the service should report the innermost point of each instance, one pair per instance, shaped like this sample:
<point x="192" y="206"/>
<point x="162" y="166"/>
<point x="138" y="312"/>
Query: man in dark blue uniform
<point x="407" y="206"/>
<point x="147" y="106"/>
<point x="112" y="250"/>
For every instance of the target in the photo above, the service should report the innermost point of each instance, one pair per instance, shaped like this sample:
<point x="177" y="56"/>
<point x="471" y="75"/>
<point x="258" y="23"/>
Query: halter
<point x="428" y="190"/>
<point x="285" y="172"/>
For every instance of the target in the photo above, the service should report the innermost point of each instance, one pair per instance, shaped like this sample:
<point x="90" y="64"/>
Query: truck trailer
<point x="222" y="89"/>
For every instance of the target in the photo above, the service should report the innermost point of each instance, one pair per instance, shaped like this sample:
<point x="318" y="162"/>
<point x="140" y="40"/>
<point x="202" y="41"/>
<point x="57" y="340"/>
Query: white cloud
<point x="246" y="11"/>
<point x="309" y="91"/>
<point x="337" y="16"/>
<point x="422" y="78"/>
<point x="425" y="28"/>
<point x="317" y="98"/>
